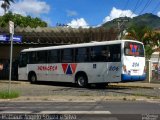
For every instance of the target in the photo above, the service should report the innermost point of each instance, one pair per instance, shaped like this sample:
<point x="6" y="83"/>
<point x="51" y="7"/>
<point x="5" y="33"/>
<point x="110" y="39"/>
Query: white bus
<point x="96" y="62"/>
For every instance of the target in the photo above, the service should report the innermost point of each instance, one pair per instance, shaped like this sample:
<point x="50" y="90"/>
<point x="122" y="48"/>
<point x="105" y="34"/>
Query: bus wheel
<point x="81" y="81"/>
<point x="32" y="78"/>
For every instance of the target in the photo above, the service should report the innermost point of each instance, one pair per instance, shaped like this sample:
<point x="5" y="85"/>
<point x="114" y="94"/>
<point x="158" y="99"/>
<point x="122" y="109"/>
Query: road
<point x="85" y="110"/>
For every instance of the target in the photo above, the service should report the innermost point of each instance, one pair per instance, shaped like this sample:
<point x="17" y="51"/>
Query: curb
<point x="77" y="99"/>
<point x="140" y="85"/>
<point x="131" y="86"/>
<point x="14" y="82"/>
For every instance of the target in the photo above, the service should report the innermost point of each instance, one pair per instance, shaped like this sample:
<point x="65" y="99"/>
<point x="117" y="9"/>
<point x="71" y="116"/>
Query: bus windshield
<point x="133" y="49"/>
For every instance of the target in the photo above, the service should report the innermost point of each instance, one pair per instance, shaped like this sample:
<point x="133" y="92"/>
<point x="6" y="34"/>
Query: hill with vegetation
<point x="147" y="19"/>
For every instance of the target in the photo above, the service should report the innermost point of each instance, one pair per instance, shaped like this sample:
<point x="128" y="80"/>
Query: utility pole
<point x="120" y="22"/>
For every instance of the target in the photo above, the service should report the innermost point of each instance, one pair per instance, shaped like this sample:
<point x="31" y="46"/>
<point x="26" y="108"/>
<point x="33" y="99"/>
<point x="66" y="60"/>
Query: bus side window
<point x="67" y="55"/>
<point x="23" y="60"/>
<point x="82" y="54"/>
<point x="115" y="53"/>
<point x="105" y="54"/>
<point x="32" y="57"/>
<point x="54" y="56"/>
<point x="92" y="54"/>
<point x="42" y="57"/>
<point x="100" y="54"/>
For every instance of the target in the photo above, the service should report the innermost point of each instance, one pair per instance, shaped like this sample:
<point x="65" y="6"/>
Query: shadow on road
<point x="90" y="87"/>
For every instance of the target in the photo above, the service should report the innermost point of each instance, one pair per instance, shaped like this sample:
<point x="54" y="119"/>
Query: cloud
<point x="116" y="13"/>
<point x="30" y="7"/>
<point x="158" y="14"/>
<point x="76" y="23"/>
<point x="71" y="13"/>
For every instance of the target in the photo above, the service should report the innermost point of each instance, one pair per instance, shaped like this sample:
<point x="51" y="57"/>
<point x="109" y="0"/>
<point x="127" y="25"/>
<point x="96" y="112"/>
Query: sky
<point x="84" y="13"/>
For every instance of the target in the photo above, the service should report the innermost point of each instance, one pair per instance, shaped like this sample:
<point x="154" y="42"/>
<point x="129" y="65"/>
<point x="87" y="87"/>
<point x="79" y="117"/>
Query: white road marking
<point x="15" y="112"/>
<point x="64" y="107"/>
<point x="55" y="112"/>
<point x="75" y="112"/>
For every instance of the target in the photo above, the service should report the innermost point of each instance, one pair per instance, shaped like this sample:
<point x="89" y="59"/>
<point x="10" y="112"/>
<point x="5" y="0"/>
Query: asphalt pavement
<point x="112" y="110"/>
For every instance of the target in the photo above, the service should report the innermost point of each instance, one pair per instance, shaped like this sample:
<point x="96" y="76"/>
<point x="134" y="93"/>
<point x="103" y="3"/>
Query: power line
<point x="147" y="4"/>
<point x="136" y="7"/>
<point x="126" y="5"/>
<point x="138" y="4"/>
<point x="156" y="7"/>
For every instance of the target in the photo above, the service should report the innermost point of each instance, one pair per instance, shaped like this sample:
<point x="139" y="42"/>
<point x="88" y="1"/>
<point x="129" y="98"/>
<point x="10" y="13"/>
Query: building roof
<point x="61" y="35"/>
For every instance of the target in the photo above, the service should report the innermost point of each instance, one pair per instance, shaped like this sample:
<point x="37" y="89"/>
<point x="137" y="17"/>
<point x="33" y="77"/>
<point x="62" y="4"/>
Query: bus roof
<point x="94" y="43"/>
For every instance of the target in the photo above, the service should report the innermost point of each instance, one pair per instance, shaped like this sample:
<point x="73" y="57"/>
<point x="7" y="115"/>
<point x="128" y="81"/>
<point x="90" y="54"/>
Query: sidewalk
<point x="15" y="82"/>
<point x="115" y="91"/>
<point x="128" y="84"/>
<point x="138" y="84"/>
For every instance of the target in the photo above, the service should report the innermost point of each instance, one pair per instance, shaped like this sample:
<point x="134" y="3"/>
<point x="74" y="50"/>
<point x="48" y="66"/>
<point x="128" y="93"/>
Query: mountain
<point x="147" y="19"/>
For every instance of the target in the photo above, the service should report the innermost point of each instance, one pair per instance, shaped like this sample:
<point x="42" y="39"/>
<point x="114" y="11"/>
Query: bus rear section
<point x="134" y="68"/>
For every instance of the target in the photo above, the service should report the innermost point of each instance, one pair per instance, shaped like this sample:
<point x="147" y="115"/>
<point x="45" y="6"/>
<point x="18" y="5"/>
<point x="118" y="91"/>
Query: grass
<point x="140" y="94"/>
<point x="6" y="95"/>
<point x="147" y="96"/>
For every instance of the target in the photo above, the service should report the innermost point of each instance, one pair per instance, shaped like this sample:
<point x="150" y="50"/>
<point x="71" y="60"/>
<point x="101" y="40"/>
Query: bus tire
<point x="32" y="78"/>
<point x="81" y="80"/>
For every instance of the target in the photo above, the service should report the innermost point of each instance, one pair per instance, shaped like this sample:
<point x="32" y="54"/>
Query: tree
<point x="150" y="38"/>
<point x="21" y="21"/>
<point x="6" y="4"/>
